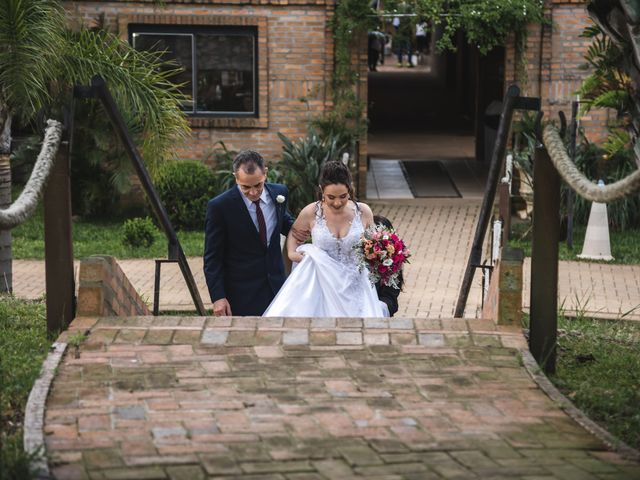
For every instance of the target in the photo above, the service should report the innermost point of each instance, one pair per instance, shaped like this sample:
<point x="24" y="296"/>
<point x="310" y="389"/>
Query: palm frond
<point x="618" y="141"/>
<point x="141" y="84"/>
<point x="616" y="99"/>
<point x="591" y="31"/>
<point x="31" y="45"/>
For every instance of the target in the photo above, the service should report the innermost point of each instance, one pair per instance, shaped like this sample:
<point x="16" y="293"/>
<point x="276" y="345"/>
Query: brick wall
<point x="295" y="56"/>
<point x="554" y="59"/>
<point x="105" y="291"/>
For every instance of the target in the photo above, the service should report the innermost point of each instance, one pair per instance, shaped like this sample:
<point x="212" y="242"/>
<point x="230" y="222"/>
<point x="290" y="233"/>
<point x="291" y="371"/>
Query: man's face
<point x="251" y="184"/>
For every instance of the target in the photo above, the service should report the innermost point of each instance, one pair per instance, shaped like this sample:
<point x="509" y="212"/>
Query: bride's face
<point x="336" y="196"/>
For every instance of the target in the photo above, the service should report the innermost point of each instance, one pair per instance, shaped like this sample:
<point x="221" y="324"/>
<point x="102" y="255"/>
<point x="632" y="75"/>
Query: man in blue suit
<point x="243" y="263"/>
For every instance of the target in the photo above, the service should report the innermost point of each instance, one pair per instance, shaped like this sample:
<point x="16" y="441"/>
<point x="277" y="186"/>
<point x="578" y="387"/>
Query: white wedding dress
<point x="327" y="282"/>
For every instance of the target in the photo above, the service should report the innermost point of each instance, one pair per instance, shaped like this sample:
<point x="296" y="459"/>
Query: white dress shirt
<point x="268" y="210"/>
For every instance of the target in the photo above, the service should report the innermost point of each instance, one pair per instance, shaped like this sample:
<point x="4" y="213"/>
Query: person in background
<point x="404" y="37"/>
<point x="386" y="294"/>
<point x="376" y="49"/>
<point x="422" y="44"/>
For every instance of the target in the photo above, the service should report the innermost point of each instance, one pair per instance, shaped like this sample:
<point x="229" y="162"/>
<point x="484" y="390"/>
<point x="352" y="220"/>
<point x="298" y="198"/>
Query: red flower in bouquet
<point x="383" y="252"/>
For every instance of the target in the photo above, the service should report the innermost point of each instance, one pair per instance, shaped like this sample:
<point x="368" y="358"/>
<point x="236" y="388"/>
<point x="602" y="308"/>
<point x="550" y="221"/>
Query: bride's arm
<point x="367" y="215"/>
<point x="299" y="233"/>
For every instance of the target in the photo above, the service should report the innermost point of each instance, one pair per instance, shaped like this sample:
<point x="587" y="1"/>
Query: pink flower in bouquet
<point x="383" y="253"/>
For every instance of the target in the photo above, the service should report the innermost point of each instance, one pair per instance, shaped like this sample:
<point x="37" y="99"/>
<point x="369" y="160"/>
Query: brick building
<point x="251" y="62"/>
<point x="554" y="63"/>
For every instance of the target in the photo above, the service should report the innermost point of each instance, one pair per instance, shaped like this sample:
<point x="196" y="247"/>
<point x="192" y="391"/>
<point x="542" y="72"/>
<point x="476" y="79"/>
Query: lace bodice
<point x="327" y="282"/>
<point x="340" y="249"/>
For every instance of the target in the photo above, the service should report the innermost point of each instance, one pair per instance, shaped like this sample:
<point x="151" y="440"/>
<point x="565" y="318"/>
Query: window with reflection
<point x="219" y="63"/>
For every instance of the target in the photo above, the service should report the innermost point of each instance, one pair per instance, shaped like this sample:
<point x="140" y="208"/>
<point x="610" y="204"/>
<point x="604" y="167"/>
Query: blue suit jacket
<point x="237" y="266"/>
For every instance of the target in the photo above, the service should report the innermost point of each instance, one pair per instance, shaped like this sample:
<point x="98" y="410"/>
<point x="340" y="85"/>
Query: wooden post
<point x="58" y="246"/>
<point x="6" y="283"/>
<point x="544" y="261"/>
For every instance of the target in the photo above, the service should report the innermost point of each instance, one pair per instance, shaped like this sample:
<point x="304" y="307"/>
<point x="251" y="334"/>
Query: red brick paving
<point x="310" y="399"/>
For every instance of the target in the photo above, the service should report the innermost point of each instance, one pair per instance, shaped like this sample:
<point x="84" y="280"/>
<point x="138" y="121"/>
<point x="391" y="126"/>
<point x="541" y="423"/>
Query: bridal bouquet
<point x="383" y="253"/>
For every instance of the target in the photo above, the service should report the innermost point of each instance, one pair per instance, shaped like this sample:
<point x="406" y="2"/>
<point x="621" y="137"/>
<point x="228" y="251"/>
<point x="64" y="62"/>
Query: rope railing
<point x="576" y="179"/>
<point x="24" y="206"/>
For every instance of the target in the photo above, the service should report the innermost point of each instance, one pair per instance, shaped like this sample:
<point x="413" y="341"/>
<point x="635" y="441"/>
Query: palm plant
<point x="40" y="60"/>
<point x="608" y="86"/>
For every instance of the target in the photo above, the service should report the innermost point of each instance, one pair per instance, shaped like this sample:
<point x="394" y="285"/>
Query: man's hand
<point x="300" y="235"/>
<point x="221" y="308"/>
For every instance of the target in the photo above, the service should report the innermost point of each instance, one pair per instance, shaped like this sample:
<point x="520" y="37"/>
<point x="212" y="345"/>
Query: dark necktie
<point x="262" y="227"/>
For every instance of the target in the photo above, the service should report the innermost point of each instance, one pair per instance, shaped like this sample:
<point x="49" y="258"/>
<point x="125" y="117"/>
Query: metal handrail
<point x="512" y="101"/>
<point x="99" y="89"/>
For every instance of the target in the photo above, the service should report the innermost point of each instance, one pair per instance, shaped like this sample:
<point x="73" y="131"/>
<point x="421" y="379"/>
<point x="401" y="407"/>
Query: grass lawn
<point x="625" y="246"/>
<point x="98" y="238"/>
<point x="598" y="368"/>
<point x="23" y="347"/>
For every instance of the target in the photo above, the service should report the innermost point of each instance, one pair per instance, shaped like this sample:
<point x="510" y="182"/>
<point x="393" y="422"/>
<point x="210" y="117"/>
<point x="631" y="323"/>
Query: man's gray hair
<point x="249" y="160"/>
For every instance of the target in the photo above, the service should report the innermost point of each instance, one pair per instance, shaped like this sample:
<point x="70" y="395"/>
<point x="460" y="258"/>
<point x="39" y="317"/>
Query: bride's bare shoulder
<point x="367" y="214"/>
<point x="365" y="209"/>
<point x="310" y="209"/>
<point x="308" y="212"/>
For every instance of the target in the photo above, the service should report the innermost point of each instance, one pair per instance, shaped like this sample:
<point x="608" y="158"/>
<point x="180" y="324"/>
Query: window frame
<point x="192" y="31"/>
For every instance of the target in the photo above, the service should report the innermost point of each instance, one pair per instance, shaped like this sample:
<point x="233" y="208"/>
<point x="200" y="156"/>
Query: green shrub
<point x="138" y="232"/>
<point x="610" y="162"/>
<point x="185" y="187"/>
<point x="100" y="170"/>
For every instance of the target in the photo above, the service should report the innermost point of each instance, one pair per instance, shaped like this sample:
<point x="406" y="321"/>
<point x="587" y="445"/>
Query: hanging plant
<point x="353" y="18"/>
<point x="485" y="23"/>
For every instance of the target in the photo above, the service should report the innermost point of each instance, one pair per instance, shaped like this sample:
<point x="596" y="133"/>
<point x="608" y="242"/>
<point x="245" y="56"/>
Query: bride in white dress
<point x="327" y="281"/>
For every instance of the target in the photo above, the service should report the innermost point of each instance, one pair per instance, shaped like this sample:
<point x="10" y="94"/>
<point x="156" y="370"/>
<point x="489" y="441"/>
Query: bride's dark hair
<point x="335" y="173"/>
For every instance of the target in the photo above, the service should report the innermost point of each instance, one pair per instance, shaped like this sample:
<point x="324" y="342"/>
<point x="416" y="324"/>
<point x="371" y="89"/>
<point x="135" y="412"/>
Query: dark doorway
<point x="449" y="95"/>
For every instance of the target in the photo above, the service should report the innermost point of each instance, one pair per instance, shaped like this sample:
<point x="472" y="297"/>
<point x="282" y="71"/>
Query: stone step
<point x="314" y="332"/>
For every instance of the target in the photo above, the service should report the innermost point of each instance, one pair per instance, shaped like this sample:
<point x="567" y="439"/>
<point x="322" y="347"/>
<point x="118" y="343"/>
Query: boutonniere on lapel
<point x="280" y="199"/>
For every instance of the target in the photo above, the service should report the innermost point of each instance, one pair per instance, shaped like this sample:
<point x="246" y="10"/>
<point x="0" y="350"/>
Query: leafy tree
<point x="41" y="60"/>
<point x="485" y="23"/>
